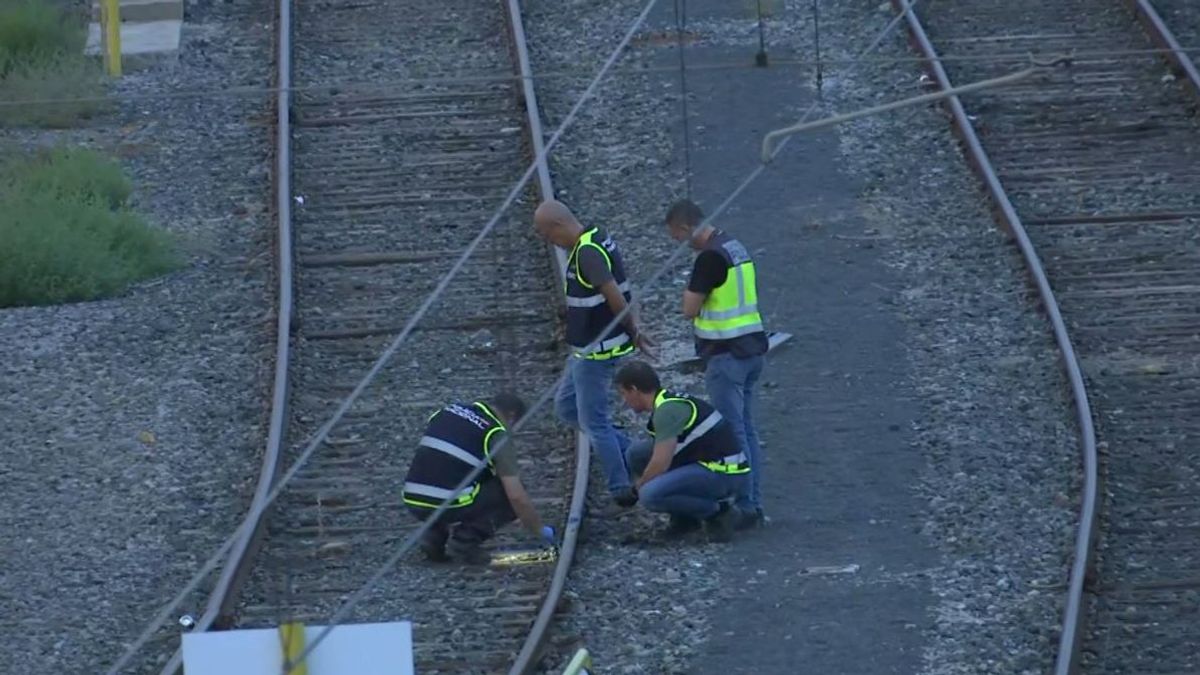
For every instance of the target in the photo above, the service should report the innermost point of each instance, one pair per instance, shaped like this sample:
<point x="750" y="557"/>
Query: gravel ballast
<point x="996" y="424"/>
<point x="133" y="426"/>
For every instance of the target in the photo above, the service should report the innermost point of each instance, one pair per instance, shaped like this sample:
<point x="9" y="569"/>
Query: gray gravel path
<point x="132" y="426"/>
<point x="984" y="458"/>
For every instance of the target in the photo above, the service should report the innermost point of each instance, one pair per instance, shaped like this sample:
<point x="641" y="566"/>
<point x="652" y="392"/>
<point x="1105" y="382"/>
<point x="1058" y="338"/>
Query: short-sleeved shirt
<point x="708" y="272"/>
<point x="504" y="463"/>
<point x="593" y="266"/>
<point x="671" y="418"/>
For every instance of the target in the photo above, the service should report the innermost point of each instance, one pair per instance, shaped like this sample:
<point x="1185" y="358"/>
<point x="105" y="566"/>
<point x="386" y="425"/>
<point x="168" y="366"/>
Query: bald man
<point x="597" y="291"/>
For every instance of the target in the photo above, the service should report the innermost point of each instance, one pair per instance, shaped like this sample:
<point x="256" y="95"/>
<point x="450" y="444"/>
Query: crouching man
<point x="692" y="468"/>
<point x="460" y="438"/>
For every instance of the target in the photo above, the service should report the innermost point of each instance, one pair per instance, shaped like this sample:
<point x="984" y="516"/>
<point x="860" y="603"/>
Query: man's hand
<point x="646" y="345"/>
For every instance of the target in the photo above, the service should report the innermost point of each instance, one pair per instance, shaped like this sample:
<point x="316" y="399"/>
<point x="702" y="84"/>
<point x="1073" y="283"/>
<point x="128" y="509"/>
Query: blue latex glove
<point x="548" y="535"/>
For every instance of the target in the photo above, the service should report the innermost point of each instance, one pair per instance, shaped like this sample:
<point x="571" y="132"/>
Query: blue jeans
<point x="690" y="491"/>
<point x="730" y="383"/>
<point x="582" y="402"/>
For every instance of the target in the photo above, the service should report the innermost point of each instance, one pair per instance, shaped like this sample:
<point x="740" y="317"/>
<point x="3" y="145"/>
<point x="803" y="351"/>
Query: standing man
<point x="460" y="438"/>
<point x="721" y="299"/>
<point x="597" y="291"/>
<point x="692" y="468"/>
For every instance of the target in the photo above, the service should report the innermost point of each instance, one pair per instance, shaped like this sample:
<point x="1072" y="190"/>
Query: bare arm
<point x="660" y="461"/>
<point x="692" y="302"/>
<point x="522" y="505"/>
<point x="616" y="304"/>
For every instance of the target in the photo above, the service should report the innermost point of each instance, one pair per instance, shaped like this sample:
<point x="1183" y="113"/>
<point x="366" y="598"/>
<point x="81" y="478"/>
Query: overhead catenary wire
<point x="406" y="546"/>
<point x="391" y="85"/>
<point x="680" y="26"/>
<point x="252" y="518"/>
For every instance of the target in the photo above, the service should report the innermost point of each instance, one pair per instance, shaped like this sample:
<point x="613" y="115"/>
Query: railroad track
<point x="380" y="189"/>
<point x="1098" y="164"/>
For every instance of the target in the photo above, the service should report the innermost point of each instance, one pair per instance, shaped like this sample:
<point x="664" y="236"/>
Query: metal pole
<point x="110" y="17"/>
<point x="760" y="59"/>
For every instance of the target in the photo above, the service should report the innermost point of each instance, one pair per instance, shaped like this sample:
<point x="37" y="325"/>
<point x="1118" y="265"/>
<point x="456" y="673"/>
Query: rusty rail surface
<point x="532" y="649"/>
<point x="1074" y="614"/>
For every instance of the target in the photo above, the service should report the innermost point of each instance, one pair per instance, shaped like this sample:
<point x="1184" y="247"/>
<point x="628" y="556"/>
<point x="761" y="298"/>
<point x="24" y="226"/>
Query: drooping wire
<point x="680" y="26"/>
<point x="549" y="392"/>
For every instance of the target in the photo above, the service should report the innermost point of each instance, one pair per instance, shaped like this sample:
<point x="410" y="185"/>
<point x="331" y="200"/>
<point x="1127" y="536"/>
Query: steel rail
<point x="531" y="650"/>
<point x="250" y="538"/>
<point x="1162" y="36"/>
<point x="1073" y="613"/>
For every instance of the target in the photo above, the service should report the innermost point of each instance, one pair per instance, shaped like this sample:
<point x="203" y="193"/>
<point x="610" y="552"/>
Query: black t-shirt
<point x="708" y="272"/>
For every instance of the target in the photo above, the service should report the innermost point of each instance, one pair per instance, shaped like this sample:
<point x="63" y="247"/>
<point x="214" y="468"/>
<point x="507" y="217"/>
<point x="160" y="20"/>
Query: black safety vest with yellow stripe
<point x="458" y="439"/>
<point x="587" y="310"/>
<point x="707" y="439"/>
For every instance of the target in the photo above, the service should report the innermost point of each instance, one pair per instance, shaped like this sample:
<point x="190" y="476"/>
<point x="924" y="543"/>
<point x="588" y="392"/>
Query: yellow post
<point x="579" y="664"/>
<point x="292" y="637"/>
<point x="110" y="16"/>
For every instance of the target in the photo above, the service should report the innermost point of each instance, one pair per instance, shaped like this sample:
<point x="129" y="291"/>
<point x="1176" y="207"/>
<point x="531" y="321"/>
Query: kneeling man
<point x="692" y="469"/>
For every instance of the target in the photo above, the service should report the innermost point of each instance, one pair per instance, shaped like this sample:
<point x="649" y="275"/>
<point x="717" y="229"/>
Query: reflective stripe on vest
<point x="698" y="430"/>
<point x="455" y="451"/>
<point x="454" y="446"/>
<point x="437" y="495"/>
<point x="597" y="299"/>
<point x="733" y="464"/>
<point x="731" y="309"/>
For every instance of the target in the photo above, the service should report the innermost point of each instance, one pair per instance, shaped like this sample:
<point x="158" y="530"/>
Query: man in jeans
<point x="691" y="468"/>
<point x="721" y="299"/>
<point x="597" y="291"/>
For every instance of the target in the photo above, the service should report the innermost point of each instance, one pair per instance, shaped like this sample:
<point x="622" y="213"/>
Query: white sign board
<point x="350" y="649"/>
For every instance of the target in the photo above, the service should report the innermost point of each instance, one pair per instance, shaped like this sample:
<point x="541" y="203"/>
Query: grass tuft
<point x="67" y="234"/>
<point x="42" y="62"/>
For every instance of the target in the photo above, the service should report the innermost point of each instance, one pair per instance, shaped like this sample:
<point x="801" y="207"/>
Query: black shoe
<point x="433" y="545"/>
<point x="720" y="526"/>
<point x="681" y="526"/>
<point x="469" y="552"/>
<point x="626" y="497"/>
<point x="749" y="520"/>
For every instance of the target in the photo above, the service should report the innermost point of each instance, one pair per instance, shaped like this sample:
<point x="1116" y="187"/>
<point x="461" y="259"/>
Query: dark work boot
<point x="719" y="526"/>
<point x="433" y="545"/>
<point x="749" y="520"/>
<point x="680" y="526"/>
<point x="626" y="497"/>
<point x="468" y="551"/>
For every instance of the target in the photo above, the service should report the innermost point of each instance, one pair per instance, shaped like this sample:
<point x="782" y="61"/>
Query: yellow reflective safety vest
<point x="731" y="309"/>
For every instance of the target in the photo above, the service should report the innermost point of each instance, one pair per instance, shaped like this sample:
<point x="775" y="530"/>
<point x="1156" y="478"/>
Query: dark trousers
<point x="474" y="523"/>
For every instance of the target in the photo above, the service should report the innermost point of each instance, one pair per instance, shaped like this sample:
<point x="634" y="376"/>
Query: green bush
<point x="73" y="172"/>
<point x="34" y="32"/>
<point x="41" y="60"/>
<point x="66" y="234"/>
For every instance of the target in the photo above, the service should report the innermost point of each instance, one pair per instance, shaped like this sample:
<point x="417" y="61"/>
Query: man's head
<point x="683" y="218"/>
<point x="638" y="385"/>
<point x="508" y="406"/>
<point x="555" y="223"/>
